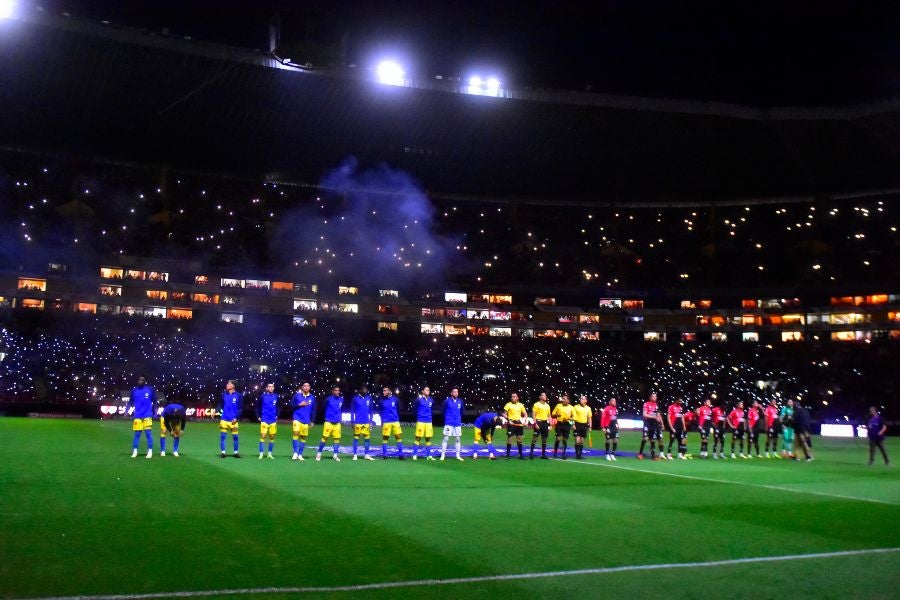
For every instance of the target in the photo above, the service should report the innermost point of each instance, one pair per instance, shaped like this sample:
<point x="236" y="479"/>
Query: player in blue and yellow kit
<point x="390" y="422"/>
<point x="141" y="400"/>
<point x="361" y="416"/>
<point x="229" y="412"/>
<point x="453" y="407"/>
<point x="267" y="412"/>
<point x="332" y="427"/>
<point x="424" y="426"/>
<point x="485" y="425"/>
<point x="304" y="404"/>
<point x="172" y="420"/>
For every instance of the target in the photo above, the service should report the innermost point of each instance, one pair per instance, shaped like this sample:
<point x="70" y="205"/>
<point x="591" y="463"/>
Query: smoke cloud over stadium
<point x="370" y="226"/>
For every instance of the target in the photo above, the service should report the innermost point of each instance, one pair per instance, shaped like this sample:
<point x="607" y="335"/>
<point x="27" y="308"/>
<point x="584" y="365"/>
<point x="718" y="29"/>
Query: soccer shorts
<point x="563" y="429"/>
<point x="300" y="429"/>
<point x="452" y="430"/>
<point x="541" y="429"/>
<point x="652" y="430"/>
<point x="226" y="426"/>
<point x="612" y="432"/>
<point x="363" y="430"/>
<point x="424" y="429"/>
<point x="704" y="432"/>
<point x="737" y="434"/>
<point x="788" y="435"/>
<point x="142" y="424"/>
<point x="581" y="430"/>
<point x="169" y="427"/>
<point x="516" y="429"/>
<point x="773" y="431"/>
<point x="679" y="433"/>
<point x="485" y="433"/>
<point x="719" y="432"/>
<point x="391" y="428"/>
<point x="268" y="428"/>
<point x="331" y="430"/>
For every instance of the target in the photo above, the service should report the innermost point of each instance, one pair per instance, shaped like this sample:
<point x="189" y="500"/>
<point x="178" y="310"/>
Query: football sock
<point x="222" y="436"/>
<point x="176" y="443"/>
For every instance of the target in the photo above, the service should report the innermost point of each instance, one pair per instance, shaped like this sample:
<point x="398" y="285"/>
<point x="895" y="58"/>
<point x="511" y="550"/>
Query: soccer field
<point x="81" y="518"/>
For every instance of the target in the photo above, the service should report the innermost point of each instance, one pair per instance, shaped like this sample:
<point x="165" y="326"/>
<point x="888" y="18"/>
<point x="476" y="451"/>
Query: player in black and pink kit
<point x="677" y="429"/>
<point x="736" y="423"/>
<point x="652" y="427"/>
<point x="704" y="424"/>
<point x="755" y="424"/>
<point x="718" y="422"/>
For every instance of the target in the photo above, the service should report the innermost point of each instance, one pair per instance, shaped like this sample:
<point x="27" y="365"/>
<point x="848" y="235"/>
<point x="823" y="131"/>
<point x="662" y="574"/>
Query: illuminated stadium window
<point x="500" y="315"/>
<point x="347" y="290"/>
<point x="749" y="303"/>
<point x="846" y="300"/>
<point x="201" y="279"/>
<point x="86" y="307"/>
<point x="894" y="316"/>
<point x="157" y="276"/>
<point x="775" y="319"/>
<point x="303" y="322"/>
<point x="750" y="320"/>
<point x="257" y="284"/>
<point x="634" y="319"/>
<point x="110" y="290"/>
<point x="610" y="303"/>
<point x="57" y="267"/>
<point x="180" y="313"/>
<point x="526" y="332"/>
<point x="388" y="294"/>
<point x="431" y="328"/>
<point x="500" y="299"/>
<point x="382" y="326"/>
<point x="588" y="319"/>
<point x="157" y="294"/>
<point x="812" y="318"/>
<point x="436" y="313"/>
<point x="306" y="288"/>
<point x="719" y="336"/>
<point x="232" y="317"/>
<point x="589" y="335"/>
<point x="109" y="309"/>
<point x="32" y="303"/>
<point x="632" y="304"/>
<point x="566" y="319"/>
<point x="32" y="285"/>
<point x="501" y="331"/>
<point x="793" y="319"/>
<point x="848" y="318"/>
<point x="654" y="336"/>
<point x="4" y="302"/>
<point x="231" y="283"/>
<point x="178" y="295"/>
<point x="791" y="336"/>
<point x="478" y="314"/>
<point x="205" y="298"/>
<point x="155" y="311"/>
<point x="704" y="303"/>
<point x="687" y="336"/>
<point x="851" y="336"/>
<point x="230" y="300"/>
<point x="135" y="275"/>
<point x="133" y="311"/>
<point x="544" y="301"/>
<point x="455" y="314"/>
<point x="301" y="304"/>
<point x="477" y="330"/>
<point x="111" y="272"/>
<point x="877" y="299"/>
<point x="479" y="298"/>
<point x="455" y="329"/>
<point x="454" y="297"/>
<point x="282" y="286"/>
<point x="688" y="304"/>
<point x="348" y="308"/>
<point x="750" y="336"/>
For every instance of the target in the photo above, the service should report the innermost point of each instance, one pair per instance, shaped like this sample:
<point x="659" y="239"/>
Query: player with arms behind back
<point x="424" y="423"/>
<point x="267" y="414"/>
<point x="334" y="404"/>
<point x="361" y="415"/>
<point x="141" y="400"/>
<point x="230" y="408"/>
<point x="719" y="420"/>
<point x="453" y="407"/>
<point x="736" y="423"/>
<point x="390" y="422"/>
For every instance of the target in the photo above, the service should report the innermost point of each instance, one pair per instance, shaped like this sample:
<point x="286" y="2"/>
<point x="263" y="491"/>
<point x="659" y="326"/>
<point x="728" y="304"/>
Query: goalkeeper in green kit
<point x="786" y="416"/>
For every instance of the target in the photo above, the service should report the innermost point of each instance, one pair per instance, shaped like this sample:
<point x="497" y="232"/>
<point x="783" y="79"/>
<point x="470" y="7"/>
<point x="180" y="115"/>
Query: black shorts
<point x="719" y="431"/>
<point x="774" y="430"/>
<point x="737" y="434"/>
<point x="541" y="429"/>
<point x="563" y="429"/>
<point x="581" y="430"/>
<point x="514" y="429"/>
<point x="705" y="430"/>
<point x="612" y="432"/>
<point x="652" y="430"/>
<point x="678" y="433"/>
<point x="752" y="434"/>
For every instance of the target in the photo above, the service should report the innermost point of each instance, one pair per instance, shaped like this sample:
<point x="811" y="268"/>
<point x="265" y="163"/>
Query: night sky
<point x="759" y="53"/>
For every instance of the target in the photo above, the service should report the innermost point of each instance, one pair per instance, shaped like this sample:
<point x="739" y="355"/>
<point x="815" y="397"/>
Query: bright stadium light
<point x="389" y="72"/>
<point x="483" y="87"/>
<point x="475" y="81"/>
<point x="7" y="7"/>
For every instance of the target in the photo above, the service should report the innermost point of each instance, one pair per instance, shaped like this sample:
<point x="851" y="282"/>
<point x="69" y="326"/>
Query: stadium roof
<point x="106" y="91"/>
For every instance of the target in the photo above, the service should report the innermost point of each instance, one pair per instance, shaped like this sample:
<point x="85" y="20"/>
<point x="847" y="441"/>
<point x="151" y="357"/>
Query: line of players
<point x="711" y="421"/>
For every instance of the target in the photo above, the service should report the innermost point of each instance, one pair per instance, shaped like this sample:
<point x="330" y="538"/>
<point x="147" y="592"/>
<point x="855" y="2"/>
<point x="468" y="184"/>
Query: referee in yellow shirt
<point x="540" y="412"/>
<point x="562" y="417"/>
<point x="582" y="417"/>
<point x="515" y="415"/>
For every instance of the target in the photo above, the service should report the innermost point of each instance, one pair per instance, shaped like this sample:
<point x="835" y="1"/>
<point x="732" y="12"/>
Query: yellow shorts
<point x="363" y="430"/>
<point x="300" y="429"/>
<point x="331" y="430"/>
<point x="478" y="438"/>
<point x="268" y="428"/>
<point x="141" y="424"/>
<point x="176" y="432"/>
<point x="424" y="430"/>
<point x="226" y="426"/>
<point x="391" y="428"/>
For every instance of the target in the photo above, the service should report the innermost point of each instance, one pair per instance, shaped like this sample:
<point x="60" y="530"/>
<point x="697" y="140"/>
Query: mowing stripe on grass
<point x="485" y="578"/>
<point x="712" y="480"/>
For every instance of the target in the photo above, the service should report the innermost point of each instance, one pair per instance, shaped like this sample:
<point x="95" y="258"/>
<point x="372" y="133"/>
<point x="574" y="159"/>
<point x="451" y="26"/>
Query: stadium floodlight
<point x="390" y="72"/>
<point x="492" y="83"/>
<point x="483" y="87"/>
<point x="475" y="81"/>
<point x="7" y="8"/>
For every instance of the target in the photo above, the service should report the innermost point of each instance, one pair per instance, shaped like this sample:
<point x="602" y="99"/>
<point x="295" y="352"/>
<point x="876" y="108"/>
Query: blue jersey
<point x="453" y="411"/>
<point x="389" y="410"/>
<point x="171" y="408"/>
<point x="423" y="409"/>
<point x="303" y="413"/>
<point x="333" y="405"/>
<point x="485" y="420"/>
<point x="268" y="407"/>
<point x="142" y="401"/>
<point x="361" y="409"/>
<point x="232" y="405"/>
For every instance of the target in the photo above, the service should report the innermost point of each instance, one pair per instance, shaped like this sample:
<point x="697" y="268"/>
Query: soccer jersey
<point x="170" y="409"/>
<point x="515" y="411"/>
<point x="268" y="407"/>
<point x="874" y="427"/>
<point x="423" y="409"/>
<point x="675" y="414"/>
<point x="389" y="410"/>
<point x="485" y="419"/>
<point x="704" y="415"/>
<point x="541" y="411"/>
<point x="361" y="409"/>
<point x="231" y="407"/>
<point x="718" y="415"/>
<point x="303" y="414"/>
<point x="608" y="416"/>
<point x="786" y="415"/>
<point x="453" y="412"/>
<point x="752" y="418"/>
<point x="142" y="399"/>
<point x="581" y="414"/>
<point x="333" y="405"/>
<point x="651" y="408"/>
<point x="771" y="415"/>
<point x="563" y="412"/>
<point x="736" y="417"/>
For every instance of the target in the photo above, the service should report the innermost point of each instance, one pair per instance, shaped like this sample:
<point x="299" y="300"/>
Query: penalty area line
<point x="744" y="483"/>
<point x="486" y="578"/>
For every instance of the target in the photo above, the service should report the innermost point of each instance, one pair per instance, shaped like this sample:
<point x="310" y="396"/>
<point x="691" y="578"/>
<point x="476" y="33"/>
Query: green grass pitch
<point x="80" y="517"/>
